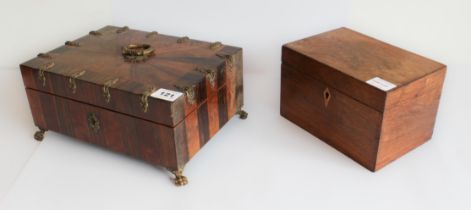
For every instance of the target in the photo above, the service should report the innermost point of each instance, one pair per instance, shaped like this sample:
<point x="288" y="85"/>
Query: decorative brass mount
<point x="93" y="122"/>
<point x="180" y="180"/>
<point x="215" y="45"/>
<point x="137" y="52"/>
<point x="106" y="89"/>
<point x="72" y="83"/>
<point x="145" y="100"/>
<point x="41" y="75"/>
<point x="39" y="135"/>
<point x="210" y="75"/>
<point x="189" y="93"/>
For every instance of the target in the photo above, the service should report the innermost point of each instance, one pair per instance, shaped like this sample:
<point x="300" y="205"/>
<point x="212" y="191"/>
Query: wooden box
<point x="155" y="97"/>
<point x="371" y="101"/>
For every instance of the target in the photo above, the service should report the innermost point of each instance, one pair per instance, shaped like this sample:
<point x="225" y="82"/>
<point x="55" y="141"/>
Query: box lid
<point x="357" y="65"/>
<point x="157" y="77"/>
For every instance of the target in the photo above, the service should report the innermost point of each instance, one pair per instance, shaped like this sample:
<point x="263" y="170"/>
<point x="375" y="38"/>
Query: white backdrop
<point x="265" y="161"/>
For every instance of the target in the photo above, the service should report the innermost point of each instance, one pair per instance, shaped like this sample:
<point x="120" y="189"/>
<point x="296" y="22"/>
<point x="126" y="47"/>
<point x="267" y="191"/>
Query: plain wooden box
<point x="324" y="90"/>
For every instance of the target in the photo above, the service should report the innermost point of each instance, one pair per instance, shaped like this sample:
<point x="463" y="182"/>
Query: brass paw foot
<point x="39" y="135"/>
<point x="242" y="114"/>
<point x="180" y="180"/>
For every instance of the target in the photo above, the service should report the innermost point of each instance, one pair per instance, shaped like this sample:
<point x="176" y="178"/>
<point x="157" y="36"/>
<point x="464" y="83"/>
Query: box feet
<point x="180" y="180"/>
<point x="242" y="114"/>
<point x="39" y="135"/>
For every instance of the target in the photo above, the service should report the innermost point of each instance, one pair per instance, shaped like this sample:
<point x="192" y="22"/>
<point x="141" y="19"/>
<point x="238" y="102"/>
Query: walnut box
<point x="370" y="100"/>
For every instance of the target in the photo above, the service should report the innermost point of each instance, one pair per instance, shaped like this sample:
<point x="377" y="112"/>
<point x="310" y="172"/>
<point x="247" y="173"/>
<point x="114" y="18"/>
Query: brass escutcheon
<point x="93" y="122"/>
<point x="327" y="96"/>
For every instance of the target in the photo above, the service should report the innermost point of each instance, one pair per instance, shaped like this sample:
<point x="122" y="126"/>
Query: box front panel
<point x="344" y="123"/>
<point x="118" y="132"/>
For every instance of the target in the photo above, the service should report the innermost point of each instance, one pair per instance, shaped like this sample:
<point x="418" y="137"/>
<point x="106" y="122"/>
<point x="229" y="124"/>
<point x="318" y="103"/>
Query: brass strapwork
<point x="151" y="34"/>
<point x="72" y="83"/>
<point x="145" y="100"/>
<point x="122" y="29"/>
<point x="42" y="69"/>
<point x="215" y="45"/>
<point x="210" y="75"/>
<point x="183" y="39"/>
<point x="242" y="114"/>
<point x="72" y="44"/>
<point x="180" y="180"/>
<point x="44" y="55"/>
<point x="189" y="93"/>
<point x="95" y="33"/>
<point x="39" y="135"/>
<point x="106" y="89"/>
<point x="229" y="59"/>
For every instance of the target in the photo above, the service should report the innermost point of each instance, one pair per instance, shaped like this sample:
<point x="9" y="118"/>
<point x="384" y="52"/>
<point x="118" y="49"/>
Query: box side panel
<point x="340" y="121"/>
<point x="121" y="133"/>
<point x="200" y="125"/>
<point x="348" y="85"/>
<point x="408" y="122"/>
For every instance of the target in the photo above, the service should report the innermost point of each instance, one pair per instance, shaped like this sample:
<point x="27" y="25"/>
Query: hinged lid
<point x="357" y="65"/>
<point x="145" y="74"/>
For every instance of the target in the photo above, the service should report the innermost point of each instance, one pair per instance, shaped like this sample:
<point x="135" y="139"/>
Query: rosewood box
<point x="155" y="97"/>
<point x="370" y="100"/>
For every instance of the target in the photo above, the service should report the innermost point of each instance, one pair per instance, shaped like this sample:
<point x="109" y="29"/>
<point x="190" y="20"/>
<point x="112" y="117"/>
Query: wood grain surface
<point x="368" y="124"/>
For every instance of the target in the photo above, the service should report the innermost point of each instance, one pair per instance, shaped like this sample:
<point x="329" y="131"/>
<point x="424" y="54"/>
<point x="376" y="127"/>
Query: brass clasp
<point x="210" y="75"/>
<point x="106" y="89"/>
<point x="215" y="45"/>
<point x="144" y="98"/>
<point x="44" y="55"/>
<point x="229" y="59"/>
<point x="72" y="43"/>
<point x="151" y="34"/>
<point x="189" y="93"/>
<point x="41" y="75"/>
<point x="122" y="29"/>
<point x="183" y="40"/>
<point x="95" y="33"/>
<point x="72" y="83"/>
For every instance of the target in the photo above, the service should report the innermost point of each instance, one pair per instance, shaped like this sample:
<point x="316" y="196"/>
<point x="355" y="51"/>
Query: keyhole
<point x="326" y="96"/>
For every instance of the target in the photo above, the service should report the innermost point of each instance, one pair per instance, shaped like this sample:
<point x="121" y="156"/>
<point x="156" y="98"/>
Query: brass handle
<point x="137" y="52"/>
<point x="93" y="122"/>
